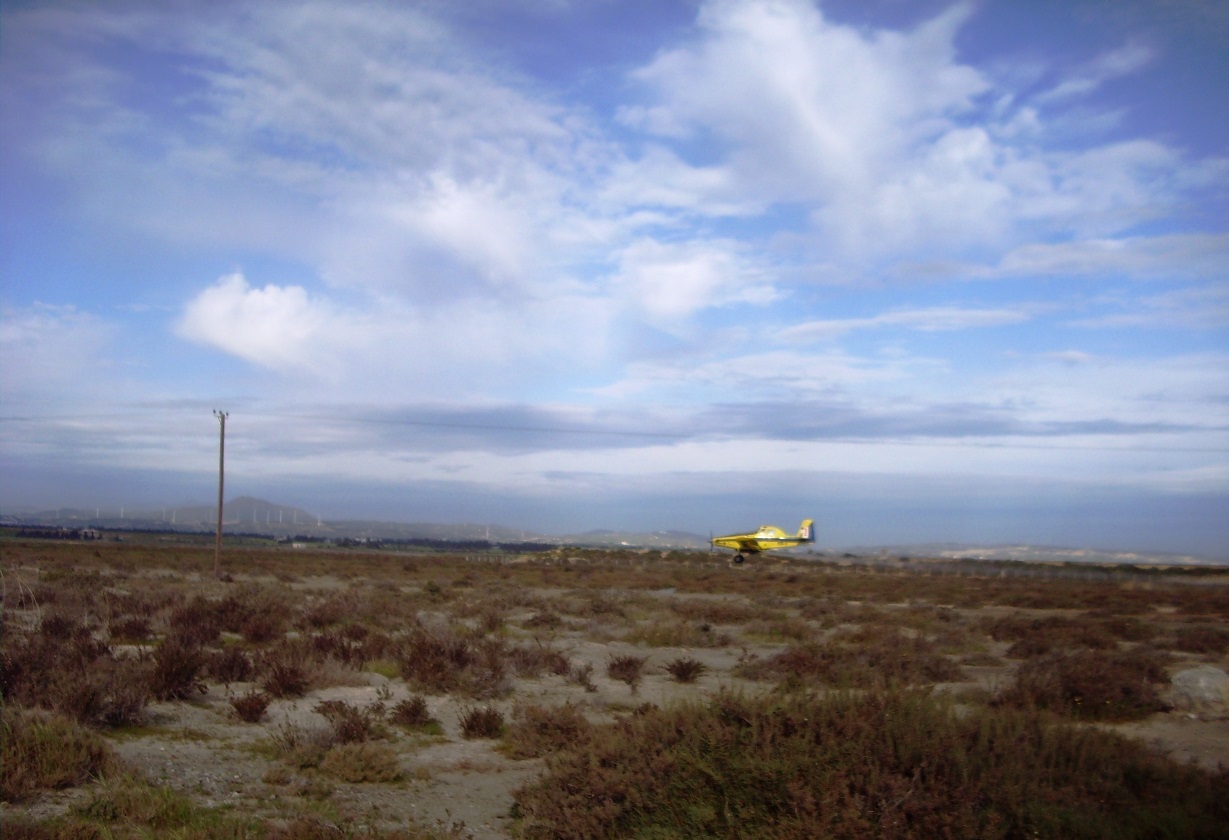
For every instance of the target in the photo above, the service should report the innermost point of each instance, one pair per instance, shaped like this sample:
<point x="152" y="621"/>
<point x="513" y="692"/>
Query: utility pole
<point x="217" y="547"/>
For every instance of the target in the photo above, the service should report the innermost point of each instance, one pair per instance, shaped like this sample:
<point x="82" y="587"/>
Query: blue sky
<point x="924" y="271"/>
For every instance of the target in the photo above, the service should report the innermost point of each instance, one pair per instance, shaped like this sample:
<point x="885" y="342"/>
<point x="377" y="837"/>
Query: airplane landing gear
<point x="738" y="558"/>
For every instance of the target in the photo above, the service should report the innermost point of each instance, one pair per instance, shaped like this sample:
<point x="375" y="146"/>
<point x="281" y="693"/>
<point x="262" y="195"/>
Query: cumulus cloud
<point x="279" y="327"/>
<point x="669" y="281"/>
<point x="896" y="146"/>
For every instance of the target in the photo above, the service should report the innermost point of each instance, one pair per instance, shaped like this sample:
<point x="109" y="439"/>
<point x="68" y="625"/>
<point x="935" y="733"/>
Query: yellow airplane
<point x="766" y="538"/>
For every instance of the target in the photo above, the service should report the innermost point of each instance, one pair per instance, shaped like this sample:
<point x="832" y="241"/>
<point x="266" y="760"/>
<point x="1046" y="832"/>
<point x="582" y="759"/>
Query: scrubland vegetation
<point x="315" y="694"/>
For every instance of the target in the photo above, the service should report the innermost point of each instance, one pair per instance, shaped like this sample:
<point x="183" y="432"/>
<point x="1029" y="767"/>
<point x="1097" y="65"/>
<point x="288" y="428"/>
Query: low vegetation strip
<point x="882" y="764"/>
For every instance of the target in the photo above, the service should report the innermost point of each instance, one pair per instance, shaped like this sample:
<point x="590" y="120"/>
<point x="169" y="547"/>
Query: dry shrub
<point x="229" y="665"/>
<point x="70" y="672"/>
<point x="627" y="668"/>
<point x="361" y="762"/>
<point x="284" y="670"/>
<point x="868" y="657"/>
<point x="780" y="629"/>
<point x="545" y="620"/>
<point x="539" y="730"/>
<point x="412" y="712"/>
<point x="1034" y="637"/>
<point x="130" y="629"/>
<point x="482" y="722"/>
<point x="678" y="634"/>
<point x="686" y="670"/>
<point x="880" y="764"/>
<point x="1202" y="638"/>
<point x="196" y="622"/>
<point x="532" y="661"/>
<point x="443" y="663"/>
<point x="262" y="628"/>
<point x="352" y="724"/>
<point x="715" y="611"/>
<point x="251" y="707"/>
<point x="327" y="612"/>
<point x="44" y="751"/>
<point x="301" y="746"/>
<point x="1090" y="685"/>
<point x="581" y="674"/>
<point x="177" y="665"/>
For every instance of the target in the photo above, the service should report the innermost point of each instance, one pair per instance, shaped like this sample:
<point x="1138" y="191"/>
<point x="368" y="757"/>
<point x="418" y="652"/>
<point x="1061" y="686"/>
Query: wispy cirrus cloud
<point x="932" y="319"/>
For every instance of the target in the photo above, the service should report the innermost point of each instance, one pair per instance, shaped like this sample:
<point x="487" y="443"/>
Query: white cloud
<point x="1168" y="257"/>
<point x="1123" y="61"/>
<point x="54" y="352"/>
<point x="670" y="281"/>
<point x="932" y="319"/>
<point x="278" y="327"/>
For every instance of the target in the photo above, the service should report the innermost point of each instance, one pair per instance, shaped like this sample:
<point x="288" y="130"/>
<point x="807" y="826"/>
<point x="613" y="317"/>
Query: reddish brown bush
<point x="196" y="622"/>
<point x="442" y="663"/>
<point x="540" y="730"/>
<point x="411" y="712"/>
<point x="351" y="724"/>
<point x="482" y="722"/>
<point x="627" y="668"/>
<point x="283" y="670"/>
<point x="686" y="669"/>
<point x="229" y="665"/>
<point x="177" y="670"/>
<point x="1202" y="638"/>
<point x="1091" y="685"/>
<point x="251" y="707"/>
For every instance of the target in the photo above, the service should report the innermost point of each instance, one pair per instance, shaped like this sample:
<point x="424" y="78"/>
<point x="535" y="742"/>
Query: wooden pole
<point x="217" y="546"/>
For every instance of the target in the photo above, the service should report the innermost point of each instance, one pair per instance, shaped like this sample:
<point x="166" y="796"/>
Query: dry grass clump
<point x="46" y="751"/>
<point x="678" y="634"/>
<point x="884" y="764"/>
<point x="1090" y="685"/>
<point x="715" y="611"/>
<point x="360" y="762"/>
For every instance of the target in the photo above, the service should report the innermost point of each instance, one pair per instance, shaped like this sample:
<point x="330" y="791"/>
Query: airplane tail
<point x="807" y="531"/>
